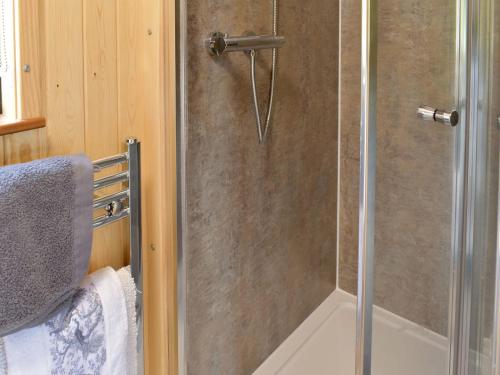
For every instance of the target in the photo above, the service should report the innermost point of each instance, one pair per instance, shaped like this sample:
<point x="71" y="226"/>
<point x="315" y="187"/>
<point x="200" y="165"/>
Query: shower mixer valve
<point x="219" y="44"/>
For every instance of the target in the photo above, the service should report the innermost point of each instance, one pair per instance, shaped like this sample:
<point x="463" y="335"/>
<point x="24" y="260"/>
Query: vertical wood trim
<point x="101" y="117"/>
<point x="44" y="152"/>
<point x="137" y="117"/>
<point x="2" y="162"/>
<point x="170" y="181"/>
<point x="132" y="60"/>
<point x="141" y="92"/>
<point x="64" y="85"/>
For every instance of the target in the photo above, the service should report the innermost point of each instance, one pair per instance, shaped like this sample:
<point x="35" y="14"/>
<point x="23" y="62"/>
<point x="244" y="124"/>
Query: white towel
<point x="128" y="286"/>
<point x="94" y="333"/>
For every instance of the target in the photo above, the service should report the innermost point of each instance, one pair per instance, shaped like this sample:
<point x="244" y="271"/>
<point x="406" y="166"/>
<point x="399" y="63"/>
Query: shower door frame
<point x="368" y="162"/>
<point x="465" y="184"/>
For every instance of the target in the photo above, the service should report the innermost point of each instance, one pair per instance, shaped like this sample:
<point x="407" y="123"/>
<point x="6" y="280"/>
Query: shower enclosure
<point x="429" y="190"/>
<point x="335" y="248"/>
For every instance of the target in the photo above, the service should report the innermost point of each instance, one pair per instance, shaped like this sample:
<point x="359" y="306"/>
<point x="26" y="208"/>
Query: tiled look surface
<point x="414" y="166"/>
<point x="261" y="219"/>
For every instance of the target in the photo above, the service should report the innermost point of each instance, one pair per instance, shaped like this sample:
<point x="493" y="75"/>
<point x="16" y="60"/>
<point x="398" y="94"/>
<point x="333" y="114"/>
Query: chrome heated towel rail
<point x="117" y="206"/>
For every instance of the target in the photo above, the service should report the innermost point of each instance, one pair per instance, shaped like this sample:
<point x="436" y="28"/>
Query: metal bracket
<point x="115" y="207"/>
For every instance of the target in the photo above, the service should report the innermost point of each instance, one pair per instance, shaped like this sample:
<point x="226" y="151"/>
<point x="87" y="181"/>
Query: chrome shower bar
<point x="117" y="206"/>
<point x="220" y="43"/>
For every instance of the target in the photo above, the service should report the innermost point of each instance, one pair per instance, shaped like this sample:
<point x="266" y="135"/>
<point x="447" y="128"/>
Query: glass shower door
<point x="414" y="192"/>
<point x="482" y="353"/>
<point x="414" y="186"/>
<point x="429" y="268"/>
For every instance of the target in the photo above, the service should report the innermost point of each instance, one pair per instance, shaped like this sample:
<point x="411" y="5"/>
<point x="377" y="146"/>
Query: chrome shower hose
<point x="262" y="133"/>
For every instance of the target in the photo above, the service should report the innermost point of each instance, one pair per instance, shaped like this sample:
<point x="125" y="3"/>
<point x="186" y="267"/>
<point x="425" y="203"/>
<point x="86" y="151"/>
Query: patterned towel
<point x="93" y="334"/>
<point x="3" y="358"/>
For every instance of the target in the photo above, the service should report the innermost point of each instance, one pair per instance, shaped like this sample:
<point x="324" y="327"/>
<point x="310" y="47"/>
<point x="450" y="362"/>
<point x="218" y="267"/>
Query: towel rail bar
<point x="109" y="162"/>
<point x="111" y="180"/>
<point x="115" y="205"/>
<point x="104" y="202"/>
<point x="106" y="219"/>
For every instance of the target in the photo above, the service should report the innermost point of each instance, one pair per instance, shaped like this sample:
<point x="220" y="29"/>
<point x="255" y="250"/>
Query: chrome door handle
<point x="433" y="114"/>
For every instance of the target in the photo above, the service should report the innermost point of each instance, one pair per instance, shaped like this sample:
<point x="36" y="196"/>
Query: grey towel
<point x="45" y="237"/>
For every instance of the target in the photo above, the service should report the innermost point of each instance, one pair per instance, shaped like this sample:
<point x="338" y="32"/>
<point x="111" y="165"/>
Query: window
<point x="20" y="86"/>
<point x="7" y="60"/>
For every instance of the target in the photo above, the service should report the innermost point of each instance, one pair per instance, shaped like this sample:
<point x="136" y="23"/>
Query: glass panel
<point x="482" y="317"/>
<point x="414" y="187"/>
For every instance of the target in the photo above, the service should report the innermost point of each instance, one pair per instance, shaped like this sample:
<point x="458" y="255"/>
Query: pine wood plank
<point x="101" y="116"/>
<point x="64" y="76"/>
<point x="142" y="98"/>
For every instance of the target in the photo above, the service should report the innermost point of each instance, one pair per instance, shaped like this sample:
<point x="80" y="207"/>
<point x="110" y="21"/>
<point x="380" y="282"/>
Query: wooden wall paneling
<point x="169" y="139"/>
<point x="132" y="97"/>
<point x="22" y="147"/>
<point x="151" y="67"/>
<point x="132" y="100"/>
<point x="101" y="116"/>
<point x="1" y="152"/>
<point x="141" y="93"/>
<point x="161" y="203"/>
<point x="107" y="73"/>
<point x="43" y="68"/>
<point x="64" y="76"/>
